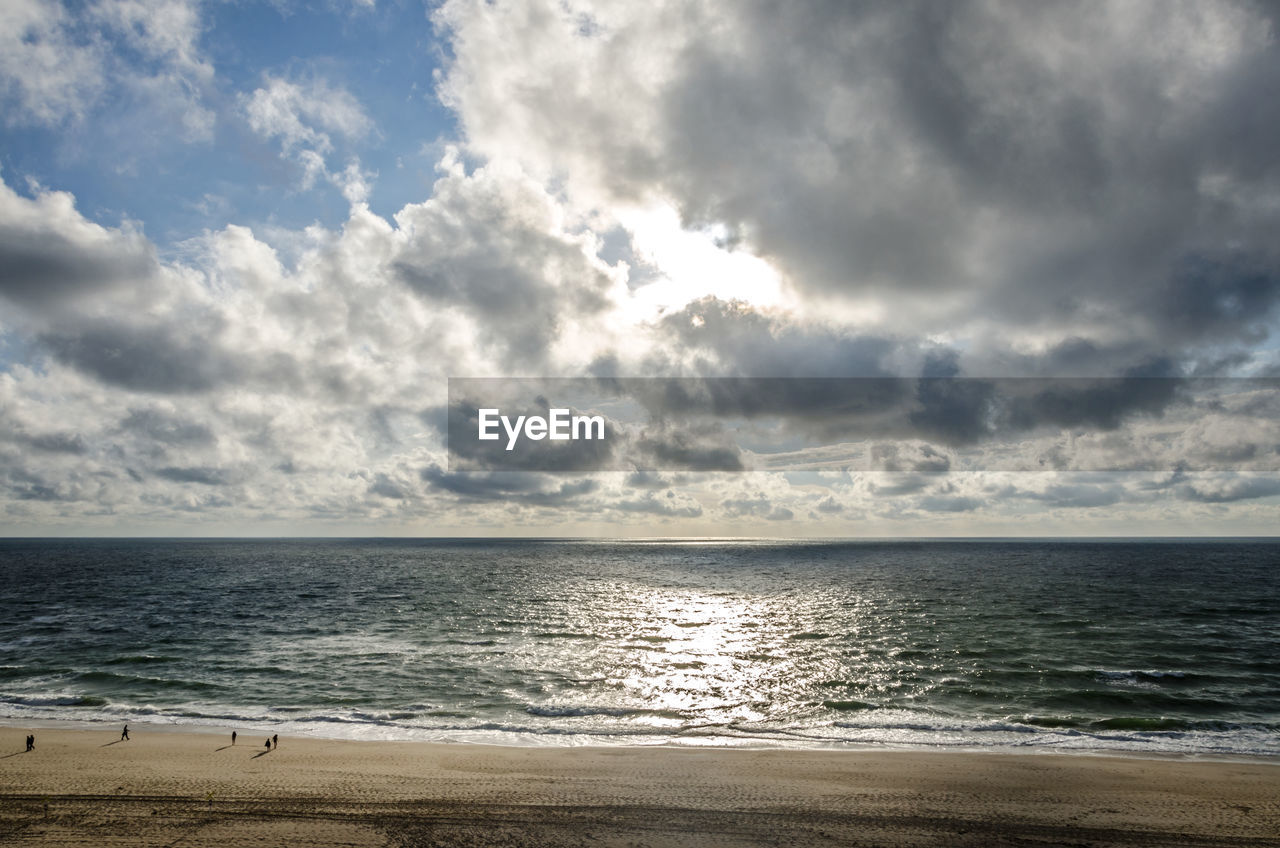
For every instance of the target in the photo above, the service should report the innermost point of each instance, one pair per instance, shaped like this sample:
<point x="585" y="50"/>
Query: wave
<point x="53" y="700"/>
<point x="141" y="659"/>
<point x="849" y="706"/>
<point x="134" y="681"/>
<point x="1140" y="676"/>
<point x="569" y="711"/>
<point x="568" y="724"/>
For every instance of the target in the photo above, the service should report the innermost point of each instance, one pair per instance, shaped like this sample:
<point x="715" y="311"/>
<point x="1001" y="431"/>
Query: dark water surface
<point x="1145" y="645"/>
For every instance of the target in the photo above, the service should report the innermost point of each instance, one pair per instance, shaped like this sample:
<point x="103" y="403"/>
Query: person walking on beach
<point x="268" y="744"/>
<point x="124" y="737"/>
<point x="233" y="737"/>
<point x="31" y="742"/>
<point x="275" y="740"/>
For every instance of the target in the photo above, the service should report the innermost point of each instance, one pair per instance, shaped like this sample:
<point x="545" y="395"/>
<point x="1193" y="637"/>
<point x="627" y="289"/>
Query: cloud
<point x="957" y="411"/>
<point x="494" y="244"/>
<point x="692" y="448"/>
<point x="44" y="71"/>
<point x="158" y="425"/>
<point x="61" y="65"/>
<point x="509" y="487"/>
<point x="304" y="118"/>
<point x="757" y="505"/>
<point x="301" y="115"/>
<point x="733" y="338"/>
<point x="163" y="31"/>
<point x="159" y="358"/>
<point x="203" y="476"/>
<point x="667" y="505"/>
<point x="289" y="390"/>
<point x="50" y="254"/>
<point x="894" y="484"/>
<point x="937" y="200"/>
<point x="948" y="503"/>
<point x="1081" y="170"/>
<point x="1229" y="489"/>
<point x="647" y="480"/>
<point x="386" y="486"/>
<point x="71" y="443"/>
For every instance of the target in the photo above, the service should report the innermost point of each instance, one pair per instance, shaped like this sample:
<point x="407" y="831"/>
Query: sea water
<point x="1147" y="646"/>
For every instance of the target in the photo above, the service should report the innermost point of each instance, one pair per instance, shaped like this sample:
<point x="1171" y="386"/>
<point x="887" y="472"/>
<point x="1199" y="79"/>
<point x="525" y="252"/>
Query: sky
<point x="245" y="246"/>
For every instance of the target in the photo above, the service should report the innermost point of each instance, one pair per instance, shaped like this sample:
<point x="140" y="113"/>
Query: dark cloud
<point x="37" y="492"/>
<point x="157" y="358"/>
<point x="24" y="485"/>
<point x="667" y="506"/>
<point x="69" y="443"/>
<point x="948" y="503"/>
<point x="166" y="428"/>
<point x="385" y="487"/>
<point x="941" y="405"/>
<point x="647" y="480"/>
<point x="204" y="476"/>
<point x="49" y="255"/>
<point x="891" y="484"/>
<point x="512" y="487"/>
<point x="1097" y="404"/>
<point x="926" y="424"/>
<point x="730" y="338"/>
<point x="953" y="410"/>
<point x="1071" y="169"/>
<point x="1220" y="297"/>
<point x="699" y="448"/>
<point x="1078" y="495"/>
<point x="909" y="457"/>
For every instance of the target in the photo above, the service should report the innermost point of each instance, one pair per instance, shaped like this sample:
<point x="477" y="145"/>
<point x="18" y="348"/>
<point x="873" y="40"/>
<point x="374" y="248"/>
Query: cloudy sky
<point x="243" y="246"/>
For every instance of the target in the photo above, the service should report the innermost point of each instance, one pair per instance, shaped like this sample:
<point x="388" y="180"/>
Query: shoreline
<point x="728" y="743"/>
<point x="164" y="785"/>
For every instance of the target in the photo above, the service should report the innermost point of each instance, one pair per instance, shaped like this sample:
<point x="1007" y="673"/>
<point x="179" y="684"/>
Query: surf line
<point x="558" y="425"/>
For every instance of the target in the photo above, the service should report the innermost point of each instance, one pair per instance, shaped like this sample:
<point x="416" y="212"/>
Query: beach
<point x="86" y="787"/>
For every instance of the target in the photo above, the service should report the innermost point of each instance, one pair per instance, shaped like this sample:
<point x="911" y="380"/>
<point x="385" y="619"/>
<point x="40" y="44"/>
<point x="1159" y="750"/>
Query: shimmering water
<point x="1152" y="646"/>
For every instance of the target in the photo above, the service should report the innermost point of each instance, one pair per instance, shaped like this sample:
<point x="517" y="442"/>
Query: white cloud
<point x="165" y="31"/>
<point x="302" y="117"/>
<point x="58" y="65"/>
<point x="232" y="383"/>
<point x="44" y="70"/>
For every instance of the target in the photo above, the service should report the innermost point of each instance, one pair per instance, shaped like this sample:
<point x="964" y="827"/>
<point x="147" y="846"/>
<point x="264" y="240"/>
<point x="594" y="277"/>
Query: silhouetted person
<point x="268" y="744"/>
<point x="233" y="737"/>
<point x="31" y="742"/>
<point x="124" y="737"/>
<point x="275" y="740"/>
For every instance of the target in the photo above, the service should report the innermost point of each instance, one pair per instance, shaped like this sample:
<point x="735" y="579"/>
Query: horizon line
<point x="974" y="538"/>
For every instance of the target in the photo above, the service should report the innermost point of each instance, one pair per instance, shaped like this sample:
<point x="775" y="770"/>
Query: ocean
<point x="1055" y="645"/>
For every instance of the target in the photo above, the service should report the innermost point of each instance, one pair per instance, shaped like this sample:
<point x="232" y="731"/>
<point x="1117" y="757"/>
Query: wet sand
<point x="83" y="787"/>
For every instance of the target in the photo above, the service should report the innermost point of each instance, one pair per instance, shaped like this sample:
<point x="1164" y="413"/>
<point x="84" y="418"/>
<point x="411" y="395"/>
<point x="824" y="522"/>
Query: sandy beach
<point x="84" y="787"/>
